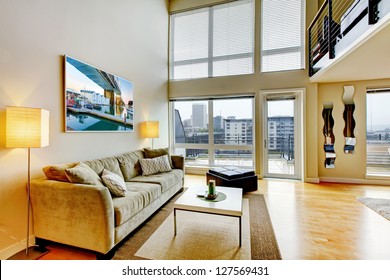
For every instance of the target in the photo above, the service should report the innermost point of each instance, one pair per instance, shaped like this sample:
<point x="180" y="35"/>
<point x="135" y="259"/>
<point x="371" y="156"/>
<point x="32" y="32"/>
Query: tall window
<point x="229" y="120"/>
<point x="213" y="41"/>
<point x="282" y="35"/>
<point x="378" y="133"/>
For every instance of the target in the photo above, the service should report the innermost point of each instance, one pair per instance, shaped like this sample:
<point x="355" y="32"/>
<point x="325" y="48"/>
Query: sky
<point x="234" y="107"/>
<point x="378" y="113"/>
<point x="241" y="108"/>
<point x="78" y="81"/>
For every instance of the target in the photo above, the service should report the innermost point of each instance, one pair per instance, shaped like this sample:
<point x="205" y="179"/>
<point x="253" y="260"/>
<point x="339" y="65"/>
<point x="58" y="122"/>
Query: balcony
<point x="350" y="40"/>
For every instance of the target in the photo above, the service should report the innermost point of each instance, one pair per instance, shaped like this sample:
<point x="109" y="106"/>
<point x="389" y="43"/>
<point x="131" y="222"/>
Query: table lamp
<point x="150" y="129"/>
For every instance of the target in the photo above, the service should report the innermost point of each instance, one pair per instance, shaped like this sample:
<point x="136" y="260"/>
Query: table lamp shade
<point x="150" y="129"/>
<point x="27" y="127"/>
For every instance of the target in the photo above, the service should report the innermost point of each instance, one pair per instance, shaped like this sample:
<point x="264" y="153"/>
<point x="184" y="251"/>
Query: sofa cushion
<point x="155" y="165"/>
<point x="109" y="163"/>
<point x="114" y="183"/>
<point x="139" y="195"/>
<point x="83" y="174"/>
<point x="152" y="153"/>
<point x="57" y="171"/>
<point x="129" y="164"/>
<point x="165" y="180"/>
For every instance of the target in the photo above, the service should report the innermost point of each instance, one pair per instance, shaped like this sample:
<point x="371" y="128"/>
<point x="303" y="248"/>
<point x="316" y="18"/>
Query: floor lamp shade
<point x="27" y="127"/>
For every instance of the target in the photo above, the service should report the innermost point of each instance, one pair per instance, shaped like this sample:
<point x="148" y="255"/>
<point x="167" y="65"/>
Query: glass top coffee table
<point x="231" y="205"/>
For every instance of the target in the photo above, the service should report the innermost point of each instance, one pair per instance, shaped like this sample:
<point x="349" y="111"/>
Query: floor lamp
<point x="150" y="129"/>
<point x="27" y="128"/>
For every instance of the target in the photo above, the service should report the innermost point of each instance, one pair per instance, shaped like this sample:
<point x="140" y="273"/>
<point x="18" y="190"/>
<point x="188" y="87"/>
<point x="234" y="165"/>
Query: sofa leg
<point x="107" y="256"/>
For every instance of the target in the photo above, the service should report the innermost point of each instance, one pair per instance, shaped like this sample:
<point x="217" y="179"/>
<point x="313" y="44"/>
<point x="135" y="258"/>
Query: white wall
<point x="127" y="38"/>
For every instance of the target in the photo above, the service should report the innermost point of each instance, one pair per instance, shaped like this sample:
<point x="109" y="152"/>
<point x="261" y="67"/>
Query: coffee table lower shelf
<point x="239" y="219"/>
<point x="231" y="206"/>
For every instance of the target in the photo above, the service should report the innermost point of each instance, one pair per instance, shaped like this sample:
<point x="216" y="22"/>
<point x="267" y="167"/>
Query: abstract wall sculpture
<point x="349" y="108"/>
<point x="330" y="154"/>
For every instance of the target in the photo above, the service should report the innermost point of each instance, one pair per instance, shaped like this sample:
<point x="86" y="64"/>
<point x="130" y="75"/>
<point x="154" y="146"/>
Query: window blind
<point x="213" y="41"/>
<point x="282" y="35"/>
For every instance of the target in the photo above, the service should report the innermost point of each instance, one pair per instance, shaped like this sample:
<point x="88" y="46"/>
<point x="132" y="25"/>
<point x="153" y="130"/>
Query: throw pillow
<point x="114" y="183"/>
<point x="155" y="165"/>
<point x="83" y="174"/>
<point x="152" y="153"/>
<point x="57" y="172"/>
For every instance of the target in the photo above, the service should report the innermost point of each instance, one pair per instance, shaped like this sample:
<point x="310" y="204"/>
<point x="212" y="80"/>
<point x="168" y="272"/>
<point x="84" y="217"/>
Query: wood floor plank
<point x="311" y="221"/>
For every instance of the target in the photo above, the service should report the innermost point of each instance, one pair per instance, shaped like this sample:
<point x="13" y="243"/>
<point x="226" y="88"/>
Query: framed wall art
<point x="95" y="100"/>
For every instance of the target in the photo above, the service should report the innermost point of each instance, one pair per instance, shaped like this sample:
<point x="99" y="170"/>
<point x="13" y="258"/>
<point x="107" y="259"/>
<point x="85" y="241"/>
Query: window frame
<point x="373" y="175"/>
<point x="285" y="50"/>
<point x="211" y="146"/>
<point x="210" y="59"/>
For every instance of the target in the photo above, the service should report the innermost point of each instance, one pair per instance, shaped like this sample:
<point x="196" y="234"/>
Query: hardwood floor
<point x="311" y="221"/>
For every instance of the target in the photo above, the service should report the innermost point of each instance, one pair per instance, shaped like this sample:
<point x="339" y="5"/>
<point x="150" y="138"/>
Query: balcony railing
<point x="337" y="25"/>
<point x="282" y="147"/>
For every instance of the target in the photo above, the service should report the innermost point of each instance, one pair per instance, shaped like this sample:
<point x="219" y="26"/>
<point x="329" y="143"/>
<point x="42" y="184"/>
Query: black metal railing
<point x="283" y="147"/>
<point x="334" y="20"/>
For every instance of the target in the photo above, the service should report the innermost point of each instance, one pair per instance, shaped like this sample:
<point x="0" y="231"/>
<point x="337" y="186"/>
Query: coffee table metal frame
<point x="231" y="206"/>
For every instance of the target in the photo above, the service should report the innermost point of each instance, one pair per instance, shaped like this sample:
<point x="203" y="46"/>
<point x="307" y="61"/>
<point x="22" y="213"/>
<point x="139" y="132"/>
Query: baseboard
<point x="15" y="248"/>
<point x="343" y="180"/>
<point x="312" y="180"/>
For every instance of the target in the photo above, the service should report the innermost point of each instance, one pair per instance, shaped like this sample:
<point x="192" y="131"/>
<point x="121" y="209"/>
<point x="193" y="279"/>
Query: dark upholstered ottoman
<point x="233" y="177"/>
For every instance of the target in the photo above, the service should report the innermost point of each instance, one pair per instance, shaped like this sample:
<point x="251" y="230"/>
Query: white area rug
<point x="199" y="237"/>
<point x="379" y="205"/>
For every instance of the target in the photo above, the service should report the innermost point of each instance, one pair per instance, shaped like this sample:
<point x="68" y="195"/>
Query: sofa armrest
<point x="178" y="162"/>
<point x="74" y="214"/>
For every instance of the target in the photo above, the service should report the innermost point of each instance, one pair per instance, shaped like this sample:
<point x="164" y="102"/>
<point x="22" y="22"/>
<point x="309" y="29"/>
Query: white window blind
<point x="213" y="41"/>
<point x="282" y="35"/>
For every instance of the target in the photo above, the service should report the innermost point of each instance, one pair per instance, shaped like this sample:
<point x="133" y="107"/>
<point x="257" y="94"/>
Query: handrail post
<point x="310" y="54"/>
<point x="330" y="20"/>
<point x="373" y="11"/>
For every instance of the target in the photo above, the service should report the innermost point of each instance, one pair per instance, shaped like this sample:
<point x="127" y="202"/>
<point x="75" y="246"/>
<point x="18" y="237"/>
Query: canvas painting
<point x="96" y="101"/>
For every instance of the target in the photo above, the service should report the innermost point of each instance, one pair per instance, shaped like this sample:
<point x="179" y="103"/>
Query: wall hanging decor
<point x="96" y="100"/>
<point x="349" y="108"/>
<point x="330" y="154"/>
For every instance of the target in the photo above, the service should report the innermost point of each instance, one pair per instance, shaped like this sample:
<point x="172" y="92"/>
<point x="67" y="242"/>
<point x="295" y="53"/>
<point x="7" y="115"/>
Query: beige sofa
<point x="89" y="216"/>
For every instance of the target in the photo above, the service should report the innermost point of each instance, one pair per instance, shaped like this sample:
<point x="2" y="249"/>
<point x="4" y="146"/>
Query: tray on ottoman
<point x="233" y="177"/>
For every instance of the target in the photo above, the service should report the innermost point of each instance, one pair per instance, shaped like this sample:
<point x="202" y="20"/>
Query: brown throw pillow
<point x="152" y="153"/>
<point x="57" y="172"/>
<point x="83" y="174"/>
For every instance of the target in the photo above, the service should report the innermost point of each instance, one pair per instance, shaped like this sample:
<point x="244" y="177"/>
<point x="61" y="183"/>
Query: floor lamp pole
<point x="34" y="252"/>
<point x="28" y="201"/>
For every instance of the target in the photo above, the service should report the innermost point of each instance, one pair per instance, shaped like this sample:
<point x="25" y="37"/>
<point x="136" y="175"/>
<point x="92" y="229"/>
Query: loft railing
<point x="332" y="29"/>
